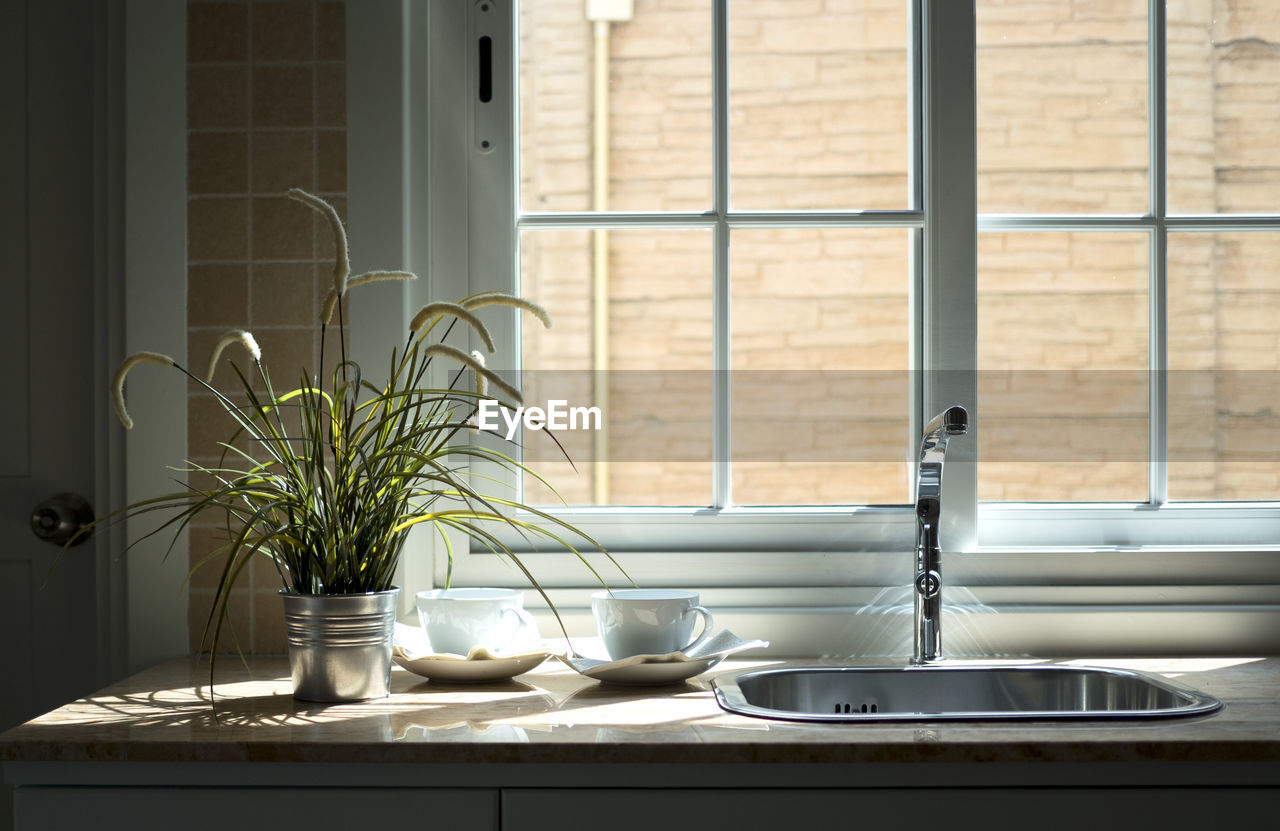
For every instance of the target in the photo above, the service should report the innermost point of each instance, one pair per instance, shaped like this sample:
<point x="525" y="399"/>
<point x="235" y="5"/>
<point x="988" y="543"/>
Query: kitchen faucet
<point x="954" y="421"/>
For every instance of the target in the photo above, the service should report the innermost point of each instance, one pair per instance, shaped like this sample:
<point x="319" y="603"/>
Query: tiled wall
<point x="266" y="111"/>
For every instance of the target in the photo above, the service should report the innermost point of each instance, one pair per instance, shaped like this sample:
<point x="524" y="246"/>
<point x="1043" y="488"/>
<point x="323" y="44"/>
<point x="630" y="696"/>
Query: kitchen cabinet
<point x="980" y="809"/>
<point x="142" y="808"/>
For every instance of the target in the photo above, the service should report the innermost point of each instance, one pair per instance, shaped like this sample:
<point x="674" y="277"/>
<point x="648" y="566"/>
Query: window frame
<point x="1180" y="566"/>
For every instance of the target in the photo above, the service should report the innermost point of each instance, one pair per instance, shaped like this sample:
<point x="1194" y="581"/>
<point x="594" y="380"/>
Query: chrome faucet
<point x="954" y="421"/>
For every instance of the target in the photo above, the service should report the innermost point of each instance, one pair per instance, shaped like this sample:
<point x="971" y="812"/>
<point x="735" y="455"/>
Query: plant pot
<point x="340" y="644"/>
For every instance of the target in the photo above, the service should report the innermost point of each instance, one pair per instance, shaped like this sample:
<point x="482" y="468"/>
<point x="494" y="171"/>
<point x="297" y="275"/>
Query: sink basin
<point x="933" y="693"/>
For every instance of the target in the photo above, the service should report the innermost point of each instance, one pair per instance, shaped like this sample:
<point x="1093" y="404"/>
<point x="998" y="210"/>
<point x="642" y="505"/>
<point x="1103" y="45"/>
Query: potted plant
<point x="325" y="478"/>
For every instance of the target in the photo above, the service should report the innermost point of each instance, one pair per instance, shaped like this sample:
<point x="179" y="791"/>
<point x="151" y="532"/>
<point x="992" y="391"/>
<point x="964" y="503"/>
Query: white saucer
<point x="647" y="673"/>
<point x="672" y="668"/>
<point x="478" y="667"/>
<point x="412" y="651"/>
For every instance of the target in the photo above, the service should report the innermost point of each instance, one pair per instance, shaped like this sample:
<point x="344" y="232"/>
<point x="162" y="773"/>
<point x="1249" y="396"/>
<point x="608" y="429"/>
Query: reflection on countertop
<point x="555" y="714"/>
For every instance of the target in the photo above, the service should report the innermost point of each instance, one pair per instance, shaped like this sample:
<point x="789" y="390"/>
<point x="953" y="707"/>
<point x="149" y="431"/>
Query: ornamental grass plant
<point x="325" y="478"/>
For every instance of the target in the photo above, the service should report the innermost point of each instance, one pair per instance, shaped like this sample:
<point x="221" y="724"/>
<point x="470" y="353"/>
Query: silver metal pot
<point x="340" y="644"/>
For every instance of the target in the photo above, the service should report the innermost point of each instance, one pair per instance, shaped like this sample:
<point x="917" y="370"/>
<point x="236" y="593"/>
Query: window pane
<point x="1062" y="106"/>
<point x="1224" y="350"/>
<point x="656" y="396"/>
<point x="1224" y="106"/>
<point x="819" y="104"/>
<point x="820" y="351"/>
<point x="658" y="146"/>
<point x="1063" y="359"/>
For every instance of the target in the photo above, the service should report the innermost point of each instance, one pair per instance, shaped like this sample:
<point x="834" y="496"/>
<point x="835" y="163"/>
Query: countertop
<point x="555" y="715"/>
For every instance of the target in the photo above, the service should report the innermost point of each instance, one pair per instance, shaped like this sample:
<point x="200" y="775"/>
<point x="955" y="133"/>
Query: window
<point x="1116" y="242"/>
<point x="730" y="305"/>
<point x="1026" y="236"/>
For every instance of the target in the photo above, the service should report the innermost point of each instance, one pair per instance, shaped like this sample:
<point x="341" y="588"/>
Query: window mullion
<point x="721" y="494"/>
<point x="915" y="186"/>
<point x="949" y="304"/>
<point x="915" y="87"/>
<point x="1159" y="301"/>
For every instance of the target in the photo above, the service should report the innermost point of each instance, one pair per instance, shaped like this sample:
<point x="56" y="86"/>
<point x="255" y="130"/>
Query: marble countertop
<point x="555" y="715"/>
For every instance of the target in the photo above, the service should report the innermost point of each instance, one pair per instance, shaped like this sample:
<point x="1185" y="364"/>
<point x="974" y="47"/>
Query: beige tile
<point x="217" y="229"/>
<point x="331" y="95"/>
<point x="204" y="481"/>
<point x="331" y="31"/>
<point x="239" y="626"/>
<point x="217" y="96"/>
<point x="283" y="160"/>
<point x="283" y="294"/>
<point x="217" y="32"/>
<point x="209" y="425"/>
<point x="282" y="229"/>
<point x="331" y="161"/>
<point x="217" y="163"/>
<point x="218" y="295"/>
<point x="205" y="556"/>
<point x="265" y="577"/>
<point x="268" y="623"/>
<point x="286" y="353"/>
<point x="283" y="31"/>
<point x="282" y="96"/>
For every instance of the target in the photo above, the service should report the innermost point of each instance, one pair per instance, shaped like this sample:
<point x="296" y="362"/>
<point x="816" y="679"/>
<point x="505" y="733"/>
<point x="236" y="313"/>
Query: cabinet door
<point x="219" y="809"/>
<point x="953" y="809"/>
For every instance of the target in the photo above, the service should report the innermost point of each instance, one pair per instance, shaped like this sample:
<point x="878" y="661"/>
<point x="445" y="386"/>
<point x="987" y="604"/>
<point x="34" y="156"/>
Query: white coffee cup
<point x="648" y="621"/>
<point x="458" y="620"/>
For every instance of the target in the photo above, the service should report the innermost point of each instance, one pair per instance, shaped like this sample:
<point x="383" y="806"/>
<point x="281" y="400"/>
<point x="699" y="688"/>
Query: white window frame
<point x="1186" y="577"/>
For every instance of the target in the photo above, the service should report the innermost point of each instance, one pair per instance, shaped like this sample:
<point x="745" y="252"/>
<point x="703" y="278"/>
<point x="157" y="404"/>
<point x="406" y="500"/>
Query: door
<point x="51" y="139"/>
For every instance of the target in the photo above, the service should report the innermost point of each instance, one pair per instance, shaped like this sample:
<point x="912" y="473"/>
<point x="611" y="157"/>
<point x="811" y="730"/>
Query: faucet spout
<point x="954" y="421"/>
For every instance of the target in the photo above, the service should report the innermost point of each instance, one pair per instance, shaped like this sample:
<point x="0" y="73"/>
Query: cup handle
<point x="524" y="625"/>
<point x="708" y="625"/>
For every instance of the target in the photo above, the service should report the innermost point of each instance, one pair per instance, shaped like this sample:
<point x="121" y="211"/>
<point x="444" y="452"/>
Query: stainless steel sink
<point x="939" y="692"/>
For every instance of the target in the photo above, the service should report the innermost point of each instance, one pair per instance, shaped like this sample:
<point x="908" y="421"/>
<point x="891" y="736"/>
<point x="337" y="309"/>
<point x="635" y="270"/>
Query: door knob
<point x="58" y="518"/>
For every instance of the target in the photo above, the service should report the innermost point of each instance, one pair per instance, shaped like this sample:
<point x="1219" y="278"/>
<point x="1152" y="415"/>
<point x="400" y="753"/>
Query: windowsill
<point x="1018" y="630"/>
